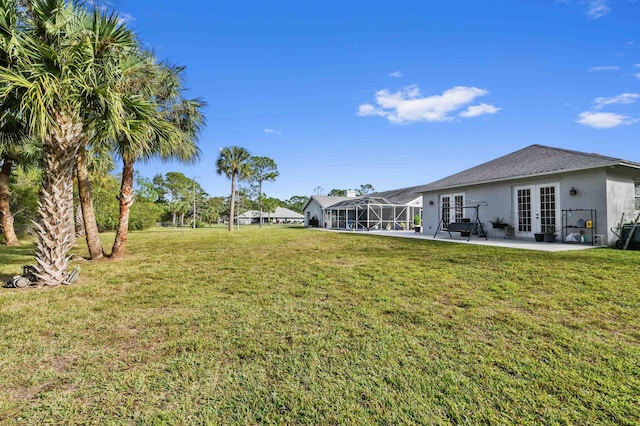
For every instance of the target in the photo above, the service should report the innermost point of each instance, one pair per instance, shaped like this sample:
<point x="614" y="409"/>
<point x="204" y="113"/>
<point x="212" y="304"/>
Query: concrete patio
<point x="495" y="242"/>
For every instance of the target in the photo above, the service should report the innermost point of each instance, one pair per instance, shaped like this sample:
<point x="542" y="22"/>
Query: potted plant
<point x="498" y="223"/>
<point x="416" y="223"/>
<point x="550" y="234"/>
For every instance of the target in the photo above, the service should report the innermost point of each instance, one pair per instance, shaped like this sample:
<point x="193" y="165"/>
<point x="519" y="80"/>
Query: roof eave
<point x="553" y="172"/>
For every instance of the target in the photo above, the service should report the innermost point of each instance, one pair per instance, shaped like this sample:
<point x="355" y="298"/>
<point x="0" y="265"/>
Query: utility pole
<point x="194" y="201"/>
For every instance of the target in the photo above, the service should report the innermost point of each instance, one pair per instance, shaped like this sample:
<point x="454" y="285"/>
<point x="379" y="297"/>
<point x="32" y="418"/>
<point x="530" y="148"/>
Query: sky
<point x="397" y="94"/>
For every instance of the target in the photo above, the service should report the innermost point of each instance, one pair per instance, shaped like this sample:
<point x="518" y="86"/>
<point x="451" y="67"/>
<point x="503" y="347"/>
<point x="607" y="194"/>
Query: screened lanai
<point x="369" y="213"/>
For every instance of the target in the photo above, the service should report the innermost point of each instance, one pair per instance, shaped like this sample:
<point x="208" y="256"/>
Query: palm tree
<point x="233" y="162"/>
<point x="65" y="77"/>
<point x="171" y="133"/>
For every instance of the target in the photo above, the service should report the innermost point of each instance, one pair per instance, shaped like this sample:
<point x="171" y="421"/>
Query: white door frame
<point x="535" y="207"/>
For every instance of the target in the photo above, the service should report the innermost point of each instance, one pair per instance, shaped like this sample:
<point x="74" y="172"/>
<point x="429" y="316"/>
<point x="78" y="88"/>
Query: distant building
<point x="394" y="209"/>
<point x="279" y="215"/>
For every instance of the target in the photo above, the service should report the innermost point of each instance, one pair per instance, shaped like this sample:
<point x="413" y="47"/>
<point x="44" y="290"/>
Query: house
<point x="285" y="215"/>
<point x="314" y="209"/>
<point x="579" y="195"/>
<point x="279" y="215"/>
<point x="394" y="209"/>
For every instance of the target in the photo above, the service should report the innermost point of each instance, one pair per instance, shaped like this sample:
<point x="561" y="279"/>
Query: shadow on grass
<point x="11" y="256"/>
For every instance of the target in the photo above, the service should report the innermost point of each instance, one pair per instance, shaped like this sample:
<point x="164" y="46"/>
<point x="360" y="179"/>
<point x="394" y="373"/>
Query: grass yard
<point x="294" y="326"/>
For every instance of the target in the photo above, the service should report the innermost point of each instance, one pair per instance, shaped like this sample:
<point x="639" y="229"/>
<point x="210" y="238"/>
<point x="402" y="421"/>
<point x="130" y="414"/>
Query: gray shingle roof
<point x="283" y="212"/>
<point x="400" y="196"/>
<point x="533" y="160"/>
<point x="326" y="200"/>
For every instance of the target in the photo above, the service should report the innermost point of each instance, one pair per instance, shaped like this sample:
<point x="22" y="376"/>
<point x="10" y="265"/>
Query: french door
<point x="452" y="210"/>
<point x="536" y="208"/>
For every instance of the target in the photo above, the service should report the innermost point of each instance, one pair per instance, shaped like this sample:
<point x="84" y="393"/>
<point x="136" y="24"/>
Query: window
<point x="637" y="194"/>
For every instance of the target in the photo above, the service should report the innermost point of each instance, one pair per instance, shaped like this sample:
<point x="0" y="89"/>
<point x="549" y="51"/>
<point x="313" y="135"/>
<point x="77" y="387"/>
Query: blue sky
<point x="397" y="94"/>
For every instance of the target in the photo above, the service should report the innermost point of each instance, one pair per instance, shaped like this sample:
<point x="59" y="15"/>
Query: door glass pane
<point x="547" y="208"/>
<point x="446" y="212"/>
<point x="458" y="214"/>
<point x="524" y="210"/>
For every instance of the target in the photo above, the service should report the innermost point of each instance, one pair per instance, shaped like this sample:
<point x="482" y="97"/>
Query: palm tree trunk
<point x="79" y="222"/>
<point x="86" y="204"/>
<point x="126" y="200"/>
<point x="233" y="200"/>
<point x="55" y="232"/>
<point x="6" y="219"/>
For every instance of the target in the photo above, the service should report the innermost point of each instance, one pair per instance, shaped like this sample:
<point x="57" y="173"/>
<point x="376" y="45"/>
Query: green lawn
<point x="294" y="326"/>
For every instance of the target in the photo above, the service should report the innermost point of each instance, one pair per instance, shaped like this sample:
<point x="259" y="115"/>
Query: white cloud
<point x="272" y="131"/>
<point x="603" y="120"/>
<point x="624" y="98"/>
<point x="596" y="9"/>
<point x="126" y="18"/>
<point x="368" y="109"/>
<point x="408" y="105"/>
<point x="604" y="68"/>
<point x="396" y="74"/>
<point x="637" y="76"/>
<point x="476" y="110"/>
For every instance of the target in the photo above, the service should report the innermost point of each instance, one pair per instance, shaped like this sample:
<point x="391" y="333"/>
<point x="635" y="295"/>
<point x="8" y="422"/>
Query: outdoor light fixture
<point x="572" y="191"/>
<point x="431" y="202"/>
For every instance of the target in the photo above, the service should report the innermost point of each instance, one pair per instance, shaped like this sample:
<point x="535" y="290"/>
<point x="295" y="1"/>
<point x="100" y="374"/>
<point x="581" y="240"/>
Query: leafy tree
<point x="160" y="189"/>
<point x="233" y="162"/>
<point x="338" y="193"/>
<point x="15" y="150"/>
<point x="25" y="186"/>
<point x="270" y="205"/>
<point x="146" y="190"/>
<point x="144" y="213"/>
<point x="263" y="169"/>
<point x="178" y="188"/>
<point x="297" y="203"/>
<point x="213" y="209"/>
<point x="104" y="191"/>
<point x="365" y="189"/>
<point x="199" y="203"/>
